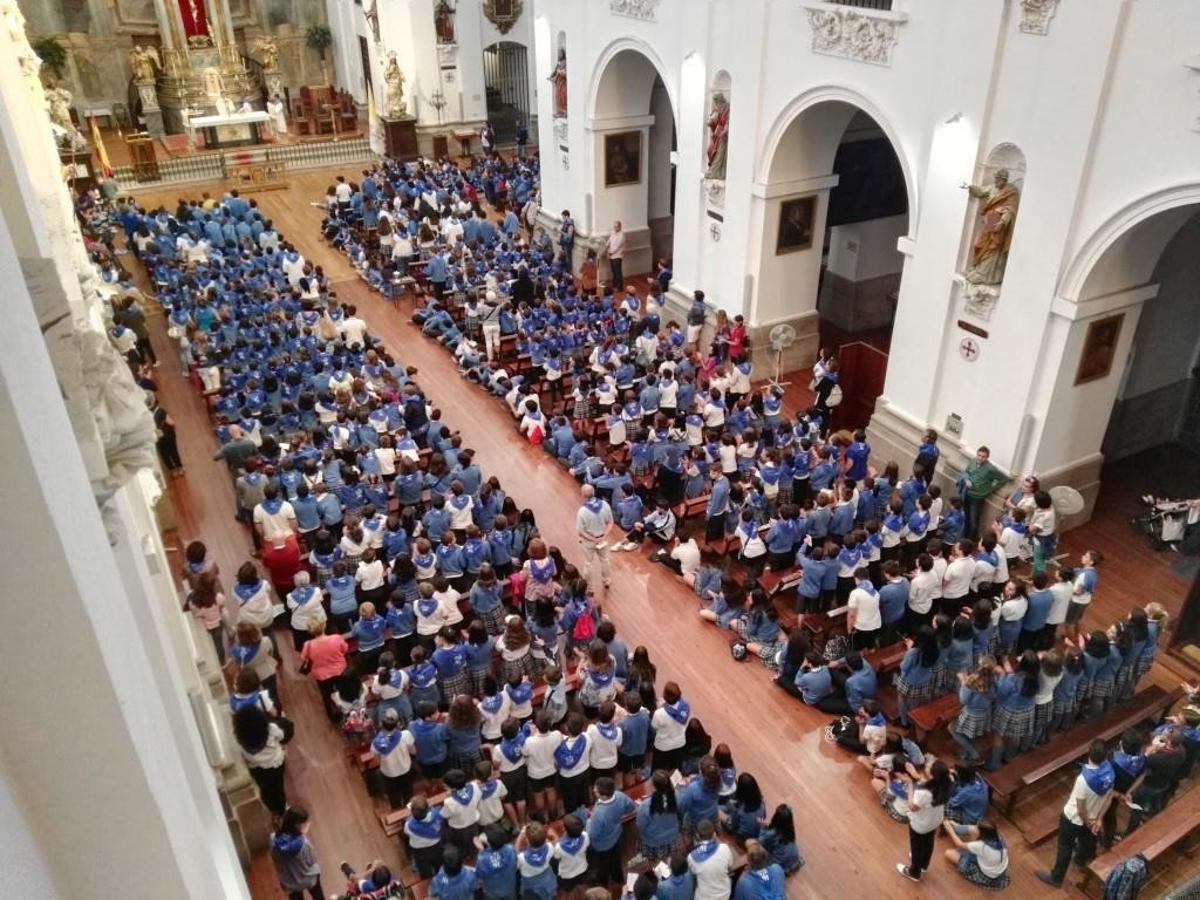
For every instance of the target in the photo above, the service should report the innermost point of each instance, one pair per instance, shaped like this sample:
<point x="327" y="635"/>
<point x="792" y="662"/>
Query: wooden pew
<point x="1066" y="747"/>
<point x="929" y="716"/>
<point x="886" y="659"/>
<point x="1154" y="838"/>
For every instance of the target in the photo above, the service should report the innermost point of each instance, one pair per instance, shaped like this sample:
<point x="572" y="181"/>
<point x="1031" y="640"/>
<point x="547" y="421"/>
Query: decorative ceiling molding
<point x="863" y="35"/>
<point x="1036" y="15"/>
<point x="646" y="10"/>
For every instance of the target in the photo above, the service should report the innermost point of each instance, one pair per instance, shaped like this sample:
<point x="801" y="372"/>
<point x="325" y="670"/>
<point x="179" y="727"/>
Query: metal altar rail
<point x="216" y="166"/>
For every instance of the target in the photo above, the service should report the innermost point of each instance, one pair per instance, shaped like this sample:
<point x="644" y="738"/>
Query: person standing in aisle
<point x="1083" y="815"/>
<point x="593" y="523"/>
<point x="294" y="857"/>
<point x="616" y="256"/>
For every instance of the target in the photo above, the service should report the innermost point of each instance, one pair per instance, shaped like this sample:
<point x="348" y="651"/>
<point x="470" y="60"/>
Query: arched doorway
<point x="506" y="83"/>
<point x="833" y="202"/>
<point x="1124" y="413"/>
<point x="633" y="143"/>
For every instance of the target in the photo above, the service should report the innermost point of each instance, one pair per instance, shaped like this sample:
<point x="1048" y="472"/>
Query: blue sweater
<point x="604" y="826"/>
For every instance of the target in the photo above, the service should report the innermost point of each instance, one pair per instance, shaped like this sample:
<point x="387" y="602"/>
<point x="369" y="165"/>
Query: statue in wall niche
<point x="268" y="52"/>
<point x="144" y="62"/>
<point x="718" y="137"/>
<point x="443" y="22"/>
<point x="997" y="215"/>
<point x="393" y="98"/>
<point x="58" y="103"/>
<point x="559" y="79"/>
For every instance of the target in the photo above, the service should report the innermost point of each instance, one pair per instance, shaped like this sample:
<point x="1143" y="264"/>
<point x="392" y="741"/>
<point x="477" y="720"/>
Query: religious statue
<point x="443" y="22"/>
<point x="144" y="62"/>
<point x="559" y="78"/>
<point x="393" y="98"/>
<point x="997" y="214"/>
<point x="718" y="138"/>
<point x="268" y="50"/>
<point x="58" y="102"/>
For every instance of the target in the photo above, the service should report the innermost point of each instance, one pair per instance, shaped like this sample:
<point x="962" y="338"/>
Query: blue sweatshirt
<point x="604" y="827"/>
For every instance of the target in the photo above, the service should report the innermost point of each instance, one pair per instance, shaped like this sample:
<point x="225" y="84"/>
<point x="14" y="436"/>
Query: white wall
<point x="867" y="249"/>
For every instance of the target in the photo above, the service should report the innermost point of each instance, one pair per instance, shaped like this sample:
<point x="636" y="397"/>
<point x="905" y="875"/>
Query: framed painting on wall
<point x="796" y="224"/>
<point x="1099" y="348"/>
<point x="622" y="158"/>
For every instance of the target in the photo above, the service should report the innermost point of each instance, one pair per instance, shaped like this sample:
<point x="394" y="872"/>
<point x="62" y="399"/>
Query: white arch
<point x="610" y="52"/>
<point x="838" y="93"/>
<point x="1118" y="225"/>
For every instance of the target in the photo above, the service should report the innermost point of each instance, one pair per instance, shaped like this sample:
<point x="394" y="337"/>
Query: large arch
<point x="832" y="159"/>
<point x="631" y="136"/>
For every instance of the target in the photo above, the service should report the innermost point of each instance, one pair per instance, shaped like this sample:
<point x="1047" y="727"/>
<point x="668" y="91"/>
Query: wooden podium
<point x="141" y="154"/>
<point x="400" y="138"/>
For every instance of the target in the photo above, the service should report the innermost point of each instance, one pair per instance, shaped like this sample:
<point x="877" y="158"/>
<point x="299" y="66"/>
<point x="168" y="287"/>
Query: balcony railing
<point x="885" y="5"/>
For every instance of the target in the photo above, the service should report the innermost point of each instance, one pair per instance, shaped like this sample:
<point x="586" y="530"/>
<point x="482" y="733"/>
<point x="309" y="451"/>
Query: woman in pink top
<point x="207" y="604"/>
<point x="324" y="658"/>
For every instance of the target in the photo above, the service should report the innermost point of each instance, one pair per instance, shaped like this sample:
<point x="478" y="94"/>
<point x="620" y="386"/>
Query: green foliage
<point x="52" y="54"/>
<point x="319" y="37"/>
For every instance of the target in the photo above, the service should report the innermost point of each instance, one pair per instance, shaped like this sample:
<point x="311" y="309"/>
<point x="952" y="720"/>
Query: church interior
<point x="600" y="448"/>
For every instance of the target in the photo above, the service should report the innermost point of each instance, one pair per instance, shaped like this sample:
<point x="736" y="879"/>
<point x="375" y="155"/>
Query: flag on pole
<point x="375" y="137"/>
<point x="101" y="151"/>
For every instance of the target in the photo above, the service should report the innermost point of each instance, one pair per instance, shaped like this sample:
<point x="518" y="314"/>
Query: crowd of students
<point x="395" y="559"/>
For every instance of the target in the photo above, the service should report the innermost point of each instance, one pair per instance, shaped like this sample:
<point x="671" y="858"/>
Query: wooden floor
<point x="851" y="847"/>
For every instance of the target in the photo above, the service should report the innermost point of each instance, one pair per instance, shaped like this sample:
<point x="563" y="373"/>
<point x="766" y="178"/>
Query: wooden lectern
<point x="400" y="138"/>
<point x="141" y="154"/>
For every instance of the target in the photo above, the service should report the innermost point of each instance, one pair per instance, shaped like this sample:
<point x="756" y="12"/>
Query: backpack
<point x="1127" y="878"/>
<point x="738" y="650"/>
<point x="584" y="628"/>
<point x="835" y="397"/>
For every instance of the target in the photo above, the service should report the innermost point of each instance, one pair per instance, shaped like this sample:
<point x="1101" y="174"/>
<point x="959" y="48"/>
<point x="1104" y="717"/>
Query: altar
<point x="235" y="129"/>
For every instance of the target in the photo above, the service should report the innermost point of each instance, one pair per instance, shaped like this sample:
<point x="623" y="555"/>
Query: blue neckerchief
<point x="1099" y="778"/>
<point x="385" y="742"/>
<point x="680" y="711"/>
<point x="427" y="606"/>
<point x="537" y="857"/>
<point x="877" y="720"/>
<point x="511" y="748"/>
<point x="704" y="850"/>
<point x="247" y="592"/>
<point x="241" y="701"/>
<point x="608" y="732"/>
<point x="521" y="694"/>
<point x="488" y="788"/>
<point x="243" y="653"/>
<point x="430" y="827"/>
<point x="567" y="755"/>
<point x="595" y="504"/>
<point x="287" y="844"/>
<point x="1131" y="764"/>
<point x="491" y="704"/>
<point x="865" y="585"/>
<point x="464" y="794"/>
<point x="542" y="570"/>
<point x="572" y="845"/>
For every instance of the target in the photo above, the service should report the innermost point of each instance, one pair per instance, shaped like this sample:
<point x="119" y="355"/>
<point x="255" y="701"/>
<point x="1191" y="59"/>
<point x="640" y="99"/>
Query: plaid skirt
<point x="768" y="653"/>
<point x="658" y="852"/>
<point x="915" y="695"/>
<point x="886" y="800"/>
<point x="1125" y="681"/>
<point x="1041" y="716"/>
<point x="1100" y="689"/>
<point x="517" y="668"/>
<point x="971" y="724"/>
<point x="455" y="685"/>
<point x="493" y="619"/>
<point x="1143" y="665"/>
<point x="1013" y="723"/>
<point x="1064" y="707"/>
<point x="968" y="868"/>
<point x="477" y="678"/>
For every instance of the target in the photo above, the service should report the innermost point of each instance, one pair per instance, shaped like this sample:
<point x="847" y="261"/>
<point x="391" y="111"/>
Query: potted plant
<point x="319" y="37"/>
<point x="52" y="54"/>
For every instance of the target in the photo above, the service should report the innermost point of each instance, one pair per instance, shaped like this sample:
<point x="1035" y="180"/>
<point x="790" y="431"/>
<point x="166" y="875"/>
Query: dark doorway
<point x="506" y="81"/>
<point x="365" y="53"/>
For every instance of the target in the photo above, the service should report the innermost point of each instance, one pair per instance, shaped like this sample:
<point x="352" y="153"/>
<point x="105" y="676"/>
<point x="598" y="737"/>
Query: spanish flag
<point x="101" y="151"/>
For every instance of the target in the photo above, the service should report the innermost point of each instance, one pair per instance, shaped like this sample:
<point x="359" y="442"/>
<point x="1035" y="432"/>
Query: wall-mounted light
<point x="957" y="117"/>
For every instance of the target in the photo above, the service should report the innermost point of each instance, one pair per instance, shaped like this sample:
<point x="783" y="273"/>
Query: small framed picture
<point x="796" y="218"/>
<point x="622" y="158"/>
<point x="1099" y="348"/>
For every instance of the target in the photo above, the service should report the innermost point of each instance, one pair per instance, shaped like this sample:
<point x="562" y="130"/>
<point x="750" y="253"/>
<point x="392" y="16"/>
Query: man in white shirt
<point x="353" y="328"/>
<point x="615" y="248"/>
<point x="863" y="618"/>
<point x="684" y="558"/>
<point x="343" y="191"/>
<point x="1083" y="815"/>
<point x="1061" y="593"/>
<point x="593" y="523"/>
<point x="274" y="517"/>
<point x="710" y="862"/>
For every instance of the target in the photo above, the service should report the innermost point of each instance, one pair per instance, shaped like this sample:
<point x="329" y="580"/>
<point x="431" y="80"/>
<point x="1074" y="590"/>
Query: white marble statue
<point x="393" y="98"/>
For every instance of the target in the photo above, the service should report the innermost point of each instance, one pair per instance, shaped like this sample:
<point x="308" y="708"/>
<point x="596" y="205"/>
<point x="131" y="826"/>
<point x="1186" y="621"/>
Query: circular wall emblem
<point x="968" y="349"/>
<point x="714" y="231"/>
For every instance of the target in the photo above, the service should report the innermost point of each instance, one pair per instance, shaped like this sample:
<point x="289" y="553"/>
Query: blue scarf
<point x="303" y="594"/>
<point x="423" y="675"/>
<point x="594" y="505"/>
<point x="1099" y="778"/>
<point x="427" y="606"/>
<point x="572" y="845"/>
<point x="544" y="572"/>
<point x="287" y="844"/>
<point x="704" y="850"/>
<point x="537" y="857"/>
<point x="602" y="678"/>
<point x="1131" y="764"/>
<point x="243" y="653"/>
<point x="512" y="748"/>
<point x="521" y="694"/>
<point x="464" y="794"/>
<point x="430" y="827"/>
<point x="241" y="701"/>
<point x="491" y="705"/>
<point x="680" y="711"/>
<point x="488" y="788"/>
<point x="877" y="720"/>
<point x="608" y="732"/>
<point x="247" y="592"/>
<point x="385" y="741"/>
<point x="568" y="756"/>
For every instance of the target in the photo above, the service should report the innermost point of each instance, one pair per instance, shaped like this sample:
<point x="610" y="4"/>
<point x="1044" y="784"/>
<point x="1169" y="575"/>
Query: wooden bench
<point x="1154" y="838"/>
<point x="779" y="582"/>
<point x="886" y="659"/>
<point x="929" y="716"/>
<point x="1066" y="747"/>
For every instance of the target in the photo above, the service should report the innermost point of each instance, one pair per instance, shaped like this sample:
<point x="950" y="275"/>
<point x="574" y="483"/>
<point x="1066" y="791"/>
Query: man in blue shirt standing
<point x="604" y="830"/>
